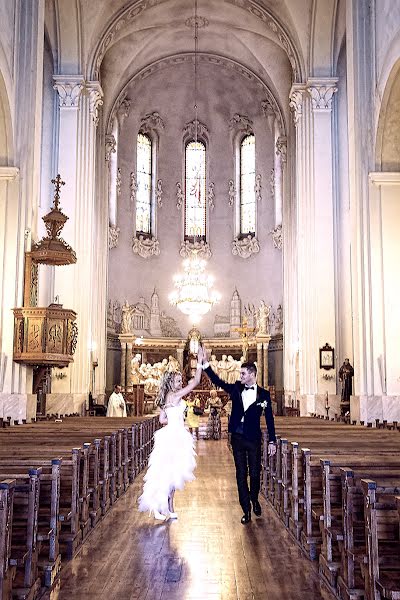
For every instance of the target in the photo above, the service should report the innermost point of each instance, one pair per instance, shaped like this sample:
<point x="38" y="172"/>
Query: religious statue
<point x="263" y="318"/>
<point x="127" y="325"/>
<point x="278" y="319"/>
<point x="135" y="372"/>
<point x="173" y="364"/>
<point x="346" y="373"/>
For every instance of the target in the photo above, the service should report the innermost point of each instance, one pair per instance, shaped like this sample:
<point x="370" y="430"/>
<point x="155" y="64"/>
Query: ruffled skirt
<point x="171" y="464"/>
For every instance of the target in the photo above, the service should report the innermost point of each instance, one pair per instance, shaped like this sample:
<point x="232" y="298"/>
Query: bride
<point x="172" y="460"/>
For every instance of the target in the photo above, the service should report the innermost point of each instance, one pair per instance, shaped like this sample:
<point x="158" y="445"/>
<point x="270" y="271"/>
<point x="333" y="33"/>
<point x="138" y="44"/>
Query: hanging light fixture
<point x="193" y="294"/>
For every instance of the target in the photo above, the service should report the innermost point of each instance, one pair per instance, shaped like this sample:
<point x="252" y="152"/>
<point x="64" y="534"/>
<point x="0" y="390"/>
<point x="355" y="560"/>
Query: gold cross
<point x="245" y="333"/>
<point x="57" y="183"/>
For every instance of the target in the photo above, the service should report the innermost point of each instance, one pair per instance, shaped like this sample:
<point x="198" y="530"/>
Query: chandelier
<point x="193" y="294"/>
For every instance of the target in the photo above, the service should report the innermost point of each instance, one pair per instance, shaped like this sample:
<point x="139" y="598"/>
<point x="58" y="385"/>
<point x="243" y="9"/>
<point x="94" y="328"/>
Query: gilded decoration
<point x="245" y="247"/>
<point x="146" y="246"/>
<point x="200" y="249"/>
<point x="45" y="336"/>
<point x="113" y="235"/>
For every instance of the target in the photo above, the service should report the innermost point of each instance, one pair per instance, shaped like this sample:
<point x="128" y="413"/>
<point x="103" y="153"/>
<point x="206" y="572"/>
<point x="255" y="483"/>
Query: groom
<point x="248" y="402"/>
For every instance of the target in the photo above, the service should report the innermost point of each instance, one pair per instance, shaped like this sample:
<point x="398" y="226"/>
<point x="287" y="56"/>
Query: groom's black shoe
<point x="257" y="508"/>
<point x="246" y="517"/>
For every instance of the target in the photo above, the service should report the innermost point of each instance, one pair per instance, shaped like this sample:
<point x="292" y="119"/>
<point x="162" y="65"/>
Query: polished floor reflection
<point x="205" y="555"/>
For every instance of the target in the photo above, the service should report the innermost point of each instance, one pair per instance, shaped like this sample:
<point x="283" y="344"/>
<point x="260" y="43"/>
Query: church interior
<point x="186" y="173"/>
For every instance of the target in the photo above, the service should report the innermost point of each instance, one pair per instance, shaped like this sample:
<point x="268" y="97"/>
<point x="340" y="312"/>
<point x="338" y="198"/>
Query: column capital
<point x="296" y="96"/>
<point x="321" y="91"/>
<point x="95" y="94"/>
<point x="69" y="88"/>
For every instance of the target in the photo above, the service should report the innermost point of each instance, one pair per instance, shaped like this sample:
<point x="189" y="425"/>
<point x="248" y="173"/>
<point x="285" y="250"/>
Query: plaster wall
<point x="387" y="23"/>
<point x="222" y="94"/>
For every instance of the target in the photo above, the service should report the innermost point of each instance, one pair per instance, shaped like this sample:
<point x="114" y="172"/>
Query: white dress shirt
<point x="249" y="396"/>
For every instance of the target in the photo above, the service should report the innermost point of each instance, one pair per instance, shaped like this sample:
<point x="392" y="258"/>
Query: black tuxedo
<point x="246" y="435"/>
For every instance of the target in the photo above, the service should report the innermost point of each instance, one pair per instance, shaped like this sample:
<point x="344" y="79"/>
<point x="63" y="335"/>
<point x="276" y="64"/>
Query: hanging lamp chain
<point x="196" y="48"/>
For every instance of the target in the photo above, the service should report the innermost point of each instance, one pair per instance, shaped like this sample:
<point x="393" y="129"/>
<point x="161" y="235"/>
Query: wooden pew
<point x="7" y="572"/>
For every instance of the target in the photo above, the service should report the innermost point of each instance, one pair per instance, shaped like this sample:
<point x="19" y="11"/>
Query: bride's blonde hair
<point x="166" y="386"/>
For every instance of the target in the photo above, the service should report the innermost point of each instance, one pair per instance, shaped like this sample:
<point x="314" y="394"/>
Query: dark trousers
<point x="247" y="457"/>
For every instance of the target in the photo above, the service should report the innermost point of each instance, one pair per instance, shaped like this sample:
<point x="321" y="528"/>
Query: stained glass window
<point x="247" y="185"/>
<point x="143" y="193"/>
<point x="195" y="190"/>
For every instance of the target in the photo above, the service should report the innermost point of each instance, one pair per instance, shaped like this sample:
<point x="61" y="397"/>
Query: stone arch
<point x="6" y="129"/>
<point x="387" y="150"/>
<point x="126" y="18"/>
<point x="214" y="59"/>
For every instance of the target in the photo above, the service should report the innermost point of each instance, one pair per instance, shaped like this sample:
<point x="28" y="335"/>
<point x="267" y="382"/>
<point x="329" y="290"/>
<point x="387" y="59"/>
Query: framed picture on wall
<point x="326" y="357"/>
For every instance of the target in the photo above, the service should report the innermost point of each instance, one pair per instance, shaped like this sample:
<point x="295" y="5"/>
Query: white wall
<point x="223" y="93"/>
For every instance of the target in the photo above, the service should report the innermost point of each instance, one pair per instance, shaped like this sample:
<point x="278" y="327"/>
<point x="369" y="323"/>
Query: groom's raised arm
<point x="228" y="387"/>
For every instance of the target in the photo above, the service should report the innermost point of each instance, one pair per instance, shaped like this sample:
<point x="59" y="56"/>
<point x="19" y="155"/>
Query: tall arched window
<point x="195" y="190"/>
<point x="144" y="184"/>
<point x="247" y="185"/>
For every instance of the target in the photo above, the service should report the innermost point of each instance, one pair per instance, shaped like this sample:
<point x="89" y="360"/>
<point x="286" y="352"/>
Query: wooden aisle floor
<point x="207" y="554"/>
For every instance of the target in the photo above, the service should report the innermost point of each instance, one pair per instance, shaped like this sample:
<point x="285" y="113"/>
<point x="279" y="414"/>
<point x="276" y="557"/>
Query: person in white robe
<point x="116" y="404"/>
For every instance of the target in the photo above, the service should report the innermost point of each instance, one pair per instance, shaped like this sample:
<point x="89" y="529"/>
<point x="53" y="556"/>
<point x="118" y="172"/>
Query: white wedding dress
<point x="171" y="462"/>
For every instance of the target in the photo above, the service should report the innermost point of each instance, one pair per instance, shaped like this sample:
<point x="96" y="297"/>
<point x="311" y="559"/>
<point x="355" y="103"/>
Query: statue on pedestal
<point x="346" y="373"/>
<point x="126" y="325"/>
<point x="263" y="314"/>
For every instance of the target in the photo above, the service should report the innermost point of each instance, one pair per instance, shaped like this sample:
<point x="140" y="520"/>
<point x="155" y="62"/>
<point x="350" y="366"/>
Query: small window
<point x="195" y="190"/>
<point x="247" y="185"/>
<point x="144" y="180"/>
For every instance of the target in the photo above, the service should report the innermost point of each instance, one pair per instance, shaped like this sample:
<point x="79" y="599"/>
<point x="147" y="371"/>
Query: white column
<point x="279" y="165"/>
<point x="19" y="197"/>
<point x="312" y="108"/>
<point x="76" y="285"/>
<point x="304" y="193"/>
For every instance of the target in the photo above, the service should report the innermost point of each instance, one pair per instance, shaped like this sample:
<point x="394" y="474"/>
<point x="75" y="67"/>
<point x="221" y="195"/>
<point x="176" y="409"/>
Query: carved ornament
<point x="296" y="103"/>
<point x="111" y="146"/>
<point x="119" y="179"/>
<point x="321" y="93"/>
<point x="200" y="249"/>
<point x="211" y="196"/>
<point x="69" y="90"/>
<point x="190" y="129"/>
<point x="151" y="122"/>
<point x="199" y="21"/>
<point x="146" y="247"/>
<point x="231" y="192"/>
<point x="245" y="247"/>
<point x="159" y="193"/>
<point x="133" y="187"/>
<point x="277" y="237"/>
<point x="95" y="93"/>
<point x="180" y="198"/>
<point x="272" y="183"/>
<point x="281" y="148"/>
<point x="113" y="235"/>
<point x="241" y="123"/>
<point x="122" y="110"/>
<point x="257" y="188"/>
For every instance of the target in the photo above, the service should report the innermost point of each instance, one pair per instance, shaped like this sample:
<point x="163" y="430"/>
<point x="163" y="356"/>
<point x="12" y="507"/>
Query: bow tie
<point x="249" y="387"/>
